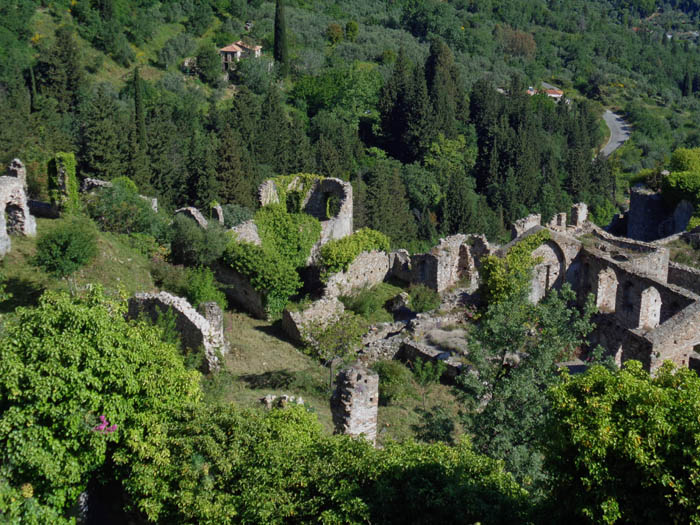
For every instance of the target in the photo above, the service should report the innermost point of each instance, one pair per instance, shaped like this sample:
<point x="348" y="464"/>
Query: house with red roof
<point x="232" y="53"/>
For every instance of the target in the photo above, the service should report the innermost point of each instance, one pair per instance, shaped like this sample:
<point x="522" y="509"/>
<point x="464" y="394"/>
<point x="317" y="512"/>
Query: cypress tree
<point x="101" y="137"/>
<point x="441" y="77"/>
<point x="394" y="102"/>
<point x="61" y="75"/>
<point x="280" y="50"/>
<point x="462" y="206"/>
<point x="387" y="205"/>
<point x="138" y="144"/>
<point x="166" y="150"/>
<point x="272" y="139"/>
<point x="233" y="171"/>
<point x="245" y="115"/>
<point x="420" y="129"/>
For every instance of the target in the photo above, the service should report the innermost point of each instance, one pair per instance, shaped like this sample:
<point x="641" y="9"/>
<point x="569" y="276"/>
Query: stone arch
<point x="649" y="308"/>
<point x="550" y="272"/>
<point x="606" y="292"/>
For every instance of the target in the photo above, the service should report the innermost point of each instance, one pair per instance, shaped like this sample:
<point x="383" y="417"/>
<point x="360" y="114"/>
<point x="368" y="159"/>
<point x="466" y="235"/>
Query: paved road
<point x="619" y="132"/>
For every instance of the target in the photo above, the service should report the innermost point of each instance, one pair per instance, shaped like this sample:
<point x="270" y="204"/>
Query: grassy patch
<point x="683" y="253"/>
<point x="369" y="302"/>
<point x="117" y="267"/>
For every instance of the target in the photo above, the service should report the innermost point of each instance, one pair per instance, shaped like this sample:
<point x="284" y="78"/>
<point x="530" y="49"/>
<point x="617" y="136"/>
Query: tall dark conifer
<point x="61" y="75"/>
<point x="272" y="139"/>
<point x="139" y="169"/>
<point x="442" y="83"/>
<point x="280" y="49"/>
<point x="233" y="170"/>
<point x="101" y="153"/>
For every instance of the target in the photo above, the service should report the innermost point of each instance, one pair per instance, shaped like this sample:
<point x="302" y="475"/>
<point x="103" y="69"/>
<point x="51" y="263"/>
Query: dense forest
<point x="421" y="105"/>
<point x="425" y="107"/>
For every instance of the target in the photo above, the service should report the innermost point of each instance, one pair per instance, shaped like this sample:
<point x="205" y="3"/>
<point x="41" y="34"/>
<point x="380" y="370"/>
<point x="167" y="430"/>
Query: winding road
<point x="619" y="132"/>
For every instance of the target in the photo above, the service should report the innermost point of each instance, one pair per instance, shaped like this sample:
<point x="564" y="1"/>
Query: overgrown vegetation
<point x="338" y="254"/>
<point x="63" y="250"/>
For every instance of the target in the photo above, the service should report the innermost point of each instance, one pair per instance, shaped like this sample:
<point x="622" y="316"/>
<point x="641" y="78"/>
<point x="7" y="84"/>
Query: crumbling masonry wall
<point x="355" y="402"/>
<point x="15" y="217"/>
<point x="196" y="330"/>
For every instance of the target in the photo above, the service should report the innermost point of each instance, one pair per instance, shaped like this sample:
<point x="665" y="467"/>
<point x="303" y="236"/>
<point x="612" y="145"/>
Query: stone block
<point x="355" y="402"/>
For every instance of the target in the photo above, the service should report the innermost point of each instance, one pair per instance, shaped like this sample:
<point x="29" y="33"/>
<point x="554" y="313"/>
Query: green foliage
<point x="209" y="64"/>
<point x="427" y="373"/>
<point x="339" y="338"/>
<point x="66" y="248"/>
<point x="273" y="466"/>
<point x="685" y="159"/>
<point x="621" y="445"/>
<point x="121" y="209"/>
<point x="268" y="273"/>
<point x="338" y="254"/>
<point x="693" y="223"/>
<point x="370" y="302"/>
<point x="62" y="365"/>
<point x="298" y="184"/>
<point x="290" y="235"/>
<point x="195" y="246"/>
<point x="201" y="288"/>
<point x="513" y="353"/>
<point x="679" y="185"/>
<point x="505" y="278"/>
<point x="280" y="45"/>
<point x="423" y="299"/>
<point x="395" y="381"/>
<point x="63" y="183"/>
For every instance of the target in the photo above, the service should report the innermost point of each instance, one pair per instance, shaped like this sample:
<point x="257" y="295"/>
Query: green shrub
<point x="423" y="299"/>
<point x="169" y="276"/>
<point x="684" y="159"/>
<point x="66" y="248"/>
<point x="395" y="381"/>
<point x="194" y="246"/>
<point x="680" y="185"/>
<point x="271" y="275"/>
<point x="337" y="255"/>
<point x="370" y="302"/>
<point x="294" y="197"/>
<point x="63" y="192"/>
<point x="201" y="288"/>
<point x="120" y="209"/>
<point x="291" y="235"/>
<point x="235" y="214"/>
<point x="693" y="223"/>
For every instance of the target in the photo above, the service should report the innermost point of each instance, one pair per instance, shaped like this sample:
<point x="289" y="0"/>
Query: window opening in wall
<point x="627" y="303"/>
<point x="332" y="202"/>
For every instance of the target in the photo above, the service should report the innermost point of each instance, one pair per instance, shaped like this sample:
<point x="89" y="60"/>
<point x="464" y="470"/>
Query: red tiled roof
<point x="231" y="48"/>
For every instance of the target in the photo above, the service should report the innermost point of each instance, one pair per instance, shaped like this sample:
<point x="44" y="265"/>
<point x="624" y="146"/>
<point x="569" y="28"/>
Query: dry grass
<point x="683" y="253"/>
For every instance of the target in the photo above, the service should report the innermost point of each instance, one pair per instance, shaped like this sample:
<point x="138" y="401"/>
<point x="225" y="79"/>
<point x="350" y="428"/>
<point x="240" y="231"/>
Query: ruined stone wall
<point x="619" y="288"/>
<point x="412" y="350"/>
<point x="639" y="257"/>
<point x="194" y="214"/>
<point x="368" y="269"/>
<point x="684" y="276"/>
<point x="195" y="329"/>
<point x="247" y="232"/>
<point x="355" y="402"/>
<point x="239" y="291"/>
<point x="89" y="185"/>
<point x="15" y="217"/>
<point x="675" y="339"/>
<point x="299" y="324"/>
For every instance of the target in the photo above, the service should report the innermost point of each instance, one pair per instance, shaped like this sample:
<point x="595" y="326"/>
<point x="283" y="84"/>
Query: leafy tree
<point x="280" y="50"/>
<point x="195" y="246"/>
<point x="620" y="445"/>
<point x="208" y="64"/>
<point x="352" y="29"/>
<point x="334" y="33"/>
<point x="514" y="353"/>
<point x="60" y="73"/>
<point x="64" y="364"/>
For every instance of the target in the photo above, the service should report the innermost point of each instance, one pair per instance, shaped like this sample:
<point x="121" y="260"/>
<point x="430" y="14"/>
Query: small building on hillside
<point x="232" y="53"/>
<point x="555" y="94"/>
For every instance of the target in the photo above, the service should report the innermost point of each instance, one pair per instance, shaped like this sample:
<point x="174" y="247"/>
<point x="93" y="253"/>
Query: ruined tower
<point x="355" y="402"/>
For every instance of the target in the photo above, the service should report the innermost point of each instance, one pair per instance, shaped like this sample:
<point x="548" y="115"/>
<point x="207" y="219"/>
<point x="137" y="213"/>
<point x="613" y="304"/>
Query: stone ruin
<point x="16" y="218"/>
<point x="90" y="185"/>
<point x="203" y="329"/>
<point x="355" y="402"/>
<point x="651" y="218"/>
<point x="195" y="215"/>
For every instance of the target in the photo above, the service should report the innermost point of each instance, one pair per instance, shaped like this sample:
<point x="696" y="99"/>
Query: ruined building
<point x="649" y="307"/>
<point x="15" y="218"/>
<point x="355" y="402"/>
